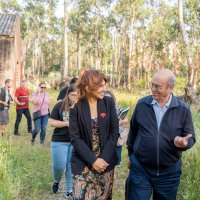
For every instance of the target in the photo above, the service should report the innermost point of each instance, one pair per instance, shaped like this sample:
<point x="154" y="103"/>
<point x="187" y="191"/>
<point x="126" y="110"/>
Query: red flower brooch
<point x="102" y="115"/>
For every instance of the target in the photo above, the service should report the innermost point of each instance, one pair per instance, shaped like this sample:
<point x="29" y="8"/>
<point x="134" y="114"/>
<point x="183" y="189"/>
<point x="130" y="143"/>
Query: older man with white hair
<point x="22" y="98"/>
<point x="161" y="129"/>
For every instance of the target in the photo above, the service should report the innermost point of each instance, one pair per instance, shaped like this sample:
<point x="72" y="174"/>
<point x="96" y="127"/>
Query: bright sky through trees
<point x="59" y="10"/>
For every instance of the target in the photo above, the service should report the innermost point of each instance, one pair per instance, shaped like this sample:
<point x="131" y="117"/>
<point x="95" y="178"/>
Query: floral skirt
<point x="91" y="185"/>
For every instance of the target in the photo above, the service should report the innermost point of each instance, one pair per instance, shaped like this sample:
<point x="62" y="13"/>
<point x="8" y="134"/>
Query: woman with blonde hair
<point x="94" y="131"/>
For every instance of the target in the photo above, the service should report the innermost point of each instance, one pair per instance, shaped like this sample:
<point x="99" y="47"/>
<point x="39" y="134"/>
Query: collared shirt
<point x="159" y="112"/>
<point x="22" y="95"/>
<point x="6" y="98"/>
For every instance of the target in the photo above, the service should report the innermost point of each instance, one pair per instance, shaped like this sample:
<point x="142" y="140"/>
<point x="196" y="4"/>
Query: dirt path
<point x="60" y="195"/>
<point x="118" y="190"/>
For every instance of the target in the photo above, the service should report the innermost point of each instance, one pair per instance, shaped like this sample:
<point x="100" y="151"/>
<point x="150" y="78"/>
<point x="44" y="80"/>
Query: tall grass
<point x="25" y="170"/>
<point x="190" y="181"/>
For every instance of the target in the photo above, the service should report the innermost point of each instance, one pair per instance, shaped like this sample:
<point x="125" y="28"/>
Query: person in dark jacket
<point x="5" y="101"/>
<point x="94" y="131"/>
<point x="63" y="92"/>
<point x="161" y="128"/>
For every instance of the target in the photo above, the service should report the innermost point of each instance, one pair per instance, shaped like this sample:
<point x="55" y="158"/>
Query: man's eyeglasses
<point x="43" y="87"/>
<point x="156" y="86"/>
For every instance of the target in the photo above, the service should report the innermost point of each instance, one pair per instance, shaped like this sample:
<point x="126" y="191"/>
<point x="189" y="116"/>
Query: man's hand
<point x="20" y="103"/>
<point x="100" y="165"/>
<point x="181" y="142"/>
<point x="5" y="103"/>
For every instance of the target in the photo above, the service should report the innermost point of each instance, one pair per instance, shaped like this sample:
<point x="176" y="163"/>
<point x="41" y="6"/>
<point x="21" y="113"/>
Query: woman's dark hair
<point x="66" y="104"/>
<point x="73" y="80"/>
<point x="89" y="77"/>
<point x="8" y="80"/>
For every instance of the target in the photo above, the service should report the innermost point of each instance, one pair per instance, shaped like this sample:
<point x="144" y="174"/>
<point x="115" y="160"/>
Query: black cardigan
<point x="3" y="97"/>
<point x="80" y="131"/>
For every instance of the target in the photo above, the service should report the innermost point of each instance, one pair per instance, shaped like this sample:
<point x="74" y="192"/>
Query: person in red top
<point x="22" y="100"/>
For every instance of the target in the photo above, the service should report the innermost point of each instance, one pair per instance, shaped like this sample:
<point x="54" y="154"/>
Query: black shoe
<point x="69" y="195"/>
<point x="55" y="187"/>
<point x="30" y="131"/>
<point x="16" y="134"/>
<point x="32" y="141"/>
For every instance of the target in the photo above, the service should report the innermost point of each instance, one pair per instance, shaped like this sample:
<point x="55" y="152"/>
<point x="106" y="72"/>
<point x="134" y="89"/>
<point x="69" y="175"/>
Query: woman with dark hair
<point x="61" y="147"/>
<point x="41" y="101"/>
<point x="94" y="131"/>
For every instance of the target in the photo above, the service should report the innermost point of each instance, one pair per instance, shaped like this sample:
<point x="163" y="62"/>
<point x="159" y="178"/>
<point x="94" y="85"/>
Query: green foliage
<point x="9" y="6"/>
<point x="190" y="181"/>
<point x="139" y="84"/>
<point x="180" y="85"/>
<point x="25" y="170"/>
<point x="126" y="36"/>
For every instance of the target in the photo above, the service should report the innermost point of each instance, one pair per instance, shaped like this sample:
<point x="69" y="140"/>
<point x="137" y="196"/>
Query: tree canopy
<point x="128" y="40"/>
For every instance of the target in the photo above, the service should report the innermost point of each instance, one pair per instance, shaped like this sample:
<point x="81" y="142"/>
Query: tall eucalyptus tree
<point x="65" y="67"/>
<point x="192" y="72"/>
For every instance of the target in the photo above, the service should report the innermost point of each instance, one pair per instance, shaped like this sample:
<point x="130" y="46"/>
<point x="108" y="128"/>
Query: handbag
<point x="38" y="113"/>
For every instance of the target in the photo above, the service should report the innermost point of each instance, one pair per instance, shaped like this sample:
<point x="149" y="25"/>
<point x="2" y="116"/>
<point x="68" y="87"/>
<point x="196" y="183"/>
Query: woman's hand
<point x="100" y="165"/>
<point x="120" y="121"/>
<point x="123" y="121"/>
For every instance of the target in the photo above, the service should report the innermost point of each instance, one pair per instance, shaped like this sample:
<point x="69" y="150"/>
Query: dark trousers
<point x="119" y="154"/>
<point x="144" y="182"/>
<point x="27" y="114"/>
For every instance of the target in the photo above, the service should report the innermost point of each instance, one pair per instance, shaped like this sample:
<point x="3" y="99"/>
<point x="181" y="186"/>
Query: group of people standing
<point x="87" y="130"/>
<point x="22" y="98"/>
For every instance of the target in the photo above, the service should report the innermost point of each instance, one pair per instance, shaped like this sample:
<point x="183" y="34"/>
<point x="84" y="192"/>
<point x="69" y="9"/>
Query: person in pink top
<point x="41" y="101"/>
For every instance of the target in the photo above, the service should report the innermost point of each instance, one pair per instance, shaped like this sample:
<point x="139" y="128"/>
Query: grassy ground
<point x="25" y="170"/>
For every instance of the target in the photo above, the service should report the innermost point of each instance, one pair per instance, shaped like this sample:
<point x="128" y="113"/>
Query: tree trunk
<point x="122" y="54"/>
<point x="97" y="36"/>
<point x="191" y="70"/>
<point x="114" y="48"/>
<point x="130" y="55"/>
<point x="137" y="64"/>
<point x="33" y="64"/>
<point x="78" y="61"/>
<point x="65" y="68"/>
